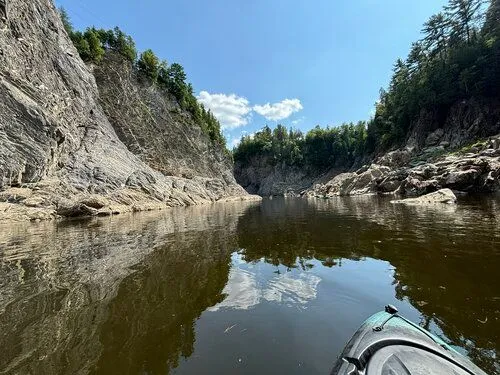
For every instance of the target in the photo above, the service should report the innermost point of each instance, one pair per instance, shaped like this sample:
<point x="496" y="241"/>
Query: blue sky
<point x="255" y="62"/>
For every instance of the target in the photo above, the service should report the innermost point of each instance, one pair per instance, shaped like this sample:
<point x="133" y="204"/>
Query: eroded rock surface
<point x="465" y="171"/>
<point x="57" y="142"/>
<point x="431" y="158"/>
<point x="443" y="196"/>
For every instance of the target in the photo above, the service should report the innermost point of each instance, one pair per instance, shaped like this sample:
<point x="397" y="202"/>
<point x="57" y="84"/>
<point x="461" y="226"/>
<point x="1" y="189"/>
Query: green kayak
<point x="389" y="344"/>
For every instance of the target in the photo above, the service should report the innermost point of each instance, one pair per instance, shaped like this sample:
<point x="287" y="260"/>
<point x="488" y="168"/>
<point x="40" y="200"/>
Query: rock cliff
<point x="471" y="169"/>
<point x="69" y="146"/>
<point x="459" y="150"/>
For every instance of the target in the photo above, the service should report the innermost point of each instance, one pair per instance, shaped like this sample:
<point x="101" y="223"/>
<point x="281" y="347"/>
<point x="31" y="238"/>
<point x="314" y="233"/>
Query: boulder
<point x="389" y="185"/>
<point x="74" y="209"/>
<point x="434" y="137"/>
<point x="414" y="187"/>
<point x="94" y="201"/>
<point x="34" y="202"/>
<point x="443" y="196"/>
<point x="463" y="180"/>
<point x="397" y="158"/>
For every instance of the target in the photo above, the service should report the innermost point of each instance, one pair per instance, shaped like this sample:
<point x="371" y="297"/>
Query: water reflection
<point x="247" y="287"/>
<point x="110" y="295"/>
<point x="272" y="287"/>
<point x="446" y="259"/>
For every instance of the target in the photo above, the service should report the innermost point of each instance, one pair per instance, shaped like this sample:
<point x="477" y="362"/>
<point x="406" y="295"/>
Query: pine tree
<point x="96" y="51"/>
<point x="463" y="15"/>
<point x="66" y="21"/>
<point x="148" y="64"/>
<point x="435" y="30"/>
<point x="492" y="23"/>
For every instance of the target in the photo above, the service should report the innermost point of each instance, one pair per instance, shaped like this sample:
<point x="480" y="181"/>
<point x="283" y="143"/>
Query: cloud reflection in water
<point x="247" y="287"/>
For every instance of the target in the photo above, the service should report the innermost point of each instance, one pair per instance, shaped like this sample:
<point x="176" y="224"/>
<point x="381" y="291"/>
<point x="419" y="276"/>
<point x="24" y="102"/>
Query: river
<point x="246" y="288"/>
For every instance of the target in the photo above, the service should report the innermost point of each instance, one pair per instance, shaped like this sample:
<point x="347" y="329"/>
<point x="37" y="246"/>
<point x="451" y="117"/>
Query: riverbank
<point x="474" y="168"/>
<point x="84" y="139"/>
<point x="50" y="200"/>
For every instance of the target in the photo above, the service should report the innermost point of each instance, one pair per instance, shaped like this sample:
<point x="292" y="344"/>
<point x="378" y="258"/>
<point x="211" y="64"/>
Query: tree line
<point x="319" y="147"/>
<point x="93" y="43"/>
<point x="458" y="58"/>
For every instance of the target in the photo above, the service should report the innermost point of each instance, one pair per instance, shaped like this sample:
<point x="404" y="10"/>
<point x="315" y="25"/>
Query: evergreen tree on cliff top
<point x="492" y="22"/>
<point x="463" y="16"/>
<point x="93" y="43"/>
<point x="457" y="60"/>
<point x="149" y="64"/>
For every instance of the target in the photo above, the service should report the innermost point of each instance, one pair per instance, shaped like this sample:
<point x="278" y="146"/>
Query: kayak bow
<point x="389" y="344"/>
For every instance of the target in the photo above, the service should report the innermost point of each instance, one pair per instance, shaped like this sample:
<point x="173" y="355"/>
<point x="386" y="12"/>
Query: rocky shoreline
<point x="82" y="140"/>
<point x="40" y="202"/>
<point x="408" y="173"/>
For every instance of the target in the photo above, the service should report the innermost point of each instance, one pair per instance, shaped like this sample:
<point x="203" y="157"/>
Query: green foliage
<point x="93" y="43"/>
<point x="66" y="20"/>
<point x="96" y="49"/>
<point x="118" y="41"/>
<point x="212" y="126"/>
<point x="491" y="26"/>
<point x="88" y="45"/>
<point x="319" y="148"/>
<point x="455" y="60"/>
<point x="462" y="18"/>
<point x="122" y="43"/>
<point x="149" y="64"/>
<point x="173" y="78"/>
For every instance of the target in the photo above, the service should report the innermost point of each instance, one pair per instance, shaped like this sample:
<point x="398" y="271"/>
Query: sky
<point x="300" y="63"/>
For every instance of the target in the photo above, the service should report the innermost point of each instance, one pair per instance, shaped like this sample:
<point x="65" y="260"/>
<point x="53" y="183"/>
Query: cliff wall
<point x="458" y="149"/>
<point x="70" y="146"/>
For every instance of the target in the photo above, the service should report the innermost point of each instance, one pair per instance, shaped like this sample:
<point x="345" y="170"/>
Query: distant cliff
<point x="442" y="100"/>
<point x="461" y="152"/>
<point x="70" y="146"/>
<point x="152" y="124"/>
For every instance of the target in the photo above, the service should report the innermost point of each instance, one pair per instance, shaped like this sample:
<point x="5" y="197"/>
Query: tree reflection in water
<point x="124" y="295"/>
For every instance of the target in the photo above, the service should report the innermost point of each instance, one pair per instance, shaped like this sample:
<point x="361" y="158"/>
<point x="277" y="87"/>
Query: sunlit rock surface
<point x="57" y="140"/>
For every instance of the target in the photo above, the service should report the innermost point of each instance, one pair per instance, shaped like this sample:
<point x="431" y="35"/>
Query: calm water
<point x="277" y="287"/>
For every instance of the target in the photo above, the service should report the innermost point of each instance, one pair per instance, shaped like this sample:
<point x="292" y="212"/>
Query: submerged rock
<point x="441" y="196"/>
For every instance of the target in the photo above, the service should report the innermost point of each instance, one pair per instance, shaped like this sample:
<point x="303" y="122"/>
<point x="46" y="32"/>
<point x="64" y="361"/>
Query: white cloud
<point x="234" y="142"/>
<point x="244" y="288"/>
<point x="298" y="121"/>
<point x="234" y="111"/>
<point x="231" y="110"/>
<point x="280" y="110"/>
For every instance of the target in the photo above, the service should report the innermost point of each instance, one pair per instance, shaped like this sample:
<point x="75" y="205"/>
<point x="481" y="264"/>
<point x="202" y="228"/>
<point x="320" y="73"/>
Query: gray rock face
<point x="445" y="196"/>
<point x="352" y="183"/>
<point x="466" y="121"/>
<point x="153" y="126"/>
<point x="430" y="136"/>
<point x="462" y="171"/>
<point x="407" y="172"/>
<point x="268" y="180"/>
<point x="56" y="140"/>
